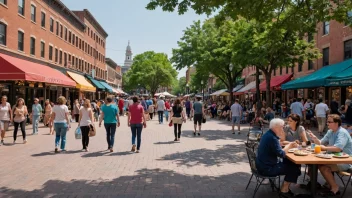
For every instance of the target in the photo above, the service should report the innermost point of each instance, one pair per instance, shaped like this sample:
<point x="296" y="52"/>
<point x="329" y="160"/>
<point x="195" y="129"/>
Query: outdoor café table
<point x="313" y="161"/>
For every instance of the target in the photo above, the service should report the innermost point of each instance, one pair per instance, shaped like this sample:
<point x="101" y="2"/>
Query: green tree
<point x="196" y="81"/>
<point x="151" y="70"/>
<point x="219" y="85"/>
<point x="209" y="48"/>
<point x="180" y="86"/>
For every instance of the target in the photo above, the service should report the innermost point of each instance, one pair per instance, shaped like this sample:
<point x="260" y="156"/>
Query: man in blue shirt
<point x="336" y="140"/>
<point x="270" y="150"/>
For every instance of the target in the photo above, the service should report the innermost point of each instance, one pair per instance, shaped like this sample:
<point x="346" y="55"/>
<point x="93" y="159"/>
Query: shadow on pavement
<point x="216" y="135"/>
<point x="147" y="183"/>
<point x="224" y="154"/>
<point x="168" y="142"/>
<point x="53" y="153"/>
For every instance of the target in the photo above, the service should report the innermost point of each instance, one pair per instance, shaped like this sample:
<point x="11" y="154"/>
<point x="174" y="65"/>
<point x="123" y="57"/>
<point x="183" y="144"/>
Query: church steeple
<point x="128" y="58"/>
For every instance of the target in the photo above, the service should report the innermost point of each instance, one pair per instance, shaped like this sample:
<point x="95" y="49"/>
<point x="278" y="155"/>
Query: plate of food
<point x="341" y="155"/>
<point x="292" y="150"/>
<point x="325" y="156"/>
<point x="301" y="153"/>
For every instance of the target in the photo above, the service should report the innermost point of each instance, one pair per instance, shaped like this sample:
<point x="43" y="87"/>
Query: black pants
<point x="291" y="171"/>
<point x="177" y="126"/>
<point x="23" y="126"/>
<point x="76" y="117"/>
<point x="151" y="115"/>
<point x="85" y="137"/>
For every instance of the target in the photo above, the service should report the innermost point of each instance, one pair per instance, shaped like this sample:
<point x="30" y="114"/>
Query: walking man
<point x="188" y="108"/>
<point x="198" y="111"/>
<point x="36" y="114"/>
<point x="236" y="114"/>
<point x="160" y="106"/>
<point x="321" y="110"/>
<point x="297" y="108"/>
<point x="136" y="120"/>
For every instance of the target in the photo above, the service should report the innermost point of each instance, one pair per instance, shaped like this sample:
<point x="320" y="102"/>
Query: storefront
<point x="83" y="88"/>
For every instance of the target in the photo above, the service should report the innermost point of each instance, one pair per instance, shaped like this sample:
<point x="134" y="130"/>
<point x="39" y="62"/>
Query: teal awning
<point x="318" y="78"/>
<point x="107" y="86"/>
<point x="340" y="79"/>
<point x="96" y="83"/>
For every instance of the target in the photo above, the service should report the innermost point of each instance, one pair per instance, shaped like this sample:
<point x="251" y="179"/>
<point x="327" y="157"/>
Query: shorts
<point x="236" y="119"/>
<point x="4" y="125"/>
<point x="198" y="118"/>
<point x="339" y="167"/>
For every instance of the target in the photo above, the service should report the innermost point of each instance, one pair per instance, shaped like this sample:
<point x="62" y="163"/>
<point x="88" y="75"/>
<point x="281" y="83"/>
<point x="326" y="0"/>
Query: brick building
<point x="50" y="37"/>
<point x="114" y="78"/>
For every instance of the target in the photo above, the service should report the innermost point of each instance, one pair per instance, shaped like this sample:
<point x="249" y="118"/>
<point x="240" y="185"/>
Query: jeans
<point x="61" y="130"/>
<point x="136" y="131"/>
<point x="161" y="115"/>
<point x="35" y="122"/>
<point x="166" y="115"/>
<point x="22" y="125"/>
<point x="85" y="137"/>
<point x="110" y="134"/>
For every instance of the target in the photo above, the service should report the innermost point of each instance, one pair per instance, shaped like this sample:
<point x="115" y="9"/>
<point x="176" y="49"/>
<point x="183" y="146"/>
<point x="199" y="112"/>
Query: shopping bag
<point x="170" y="123"/>
<point x="92" y="130"/>
<point x="78" y="133"/>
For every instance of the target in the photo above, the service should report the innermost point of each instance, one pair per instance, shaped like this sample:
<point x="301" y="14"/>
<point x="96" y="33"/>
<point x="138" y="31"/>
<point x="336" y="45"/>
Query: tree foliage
<point x="180" y="86"/>
<point x="151" y="70"/>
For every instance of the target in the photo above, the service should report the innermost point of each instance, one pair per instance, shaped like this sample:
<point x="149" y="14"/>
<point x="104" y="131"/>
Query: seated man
<point x="270" y="150"/>
<point x="268" y="116"/>
<point x="337" y="139"/>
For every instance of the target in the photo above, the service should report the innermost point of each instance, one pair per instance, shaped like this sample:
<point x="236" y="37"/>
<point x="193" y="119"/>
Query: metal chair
<point x="254" y="133"/>
<point x="259" y="178"/>
<point x="342" y="174"/>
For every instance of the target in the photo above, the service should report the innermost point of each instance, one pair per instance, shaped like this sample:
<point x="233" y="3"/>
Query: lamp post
<point x="202" y="88"/>
<point x="231" y="96"/>
<point x="187" y="90"/>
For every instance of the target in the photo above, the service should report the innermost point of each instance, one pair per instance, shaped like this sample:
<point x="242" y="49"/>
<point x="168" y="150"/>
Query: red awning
<point x="12" y="68"/>
<point x="276" y="82"/>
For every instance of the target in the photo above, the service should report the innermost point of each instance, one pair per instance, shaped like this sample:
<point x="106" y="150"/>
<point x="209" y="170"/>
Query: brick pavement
<point x="212" y="165"/>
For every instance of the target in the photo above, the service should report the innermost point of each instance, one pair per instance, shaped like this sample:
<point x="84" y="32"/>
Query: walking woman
<point x="48" y="110"/>
<point x="5" y="117"/>
<point x="178" y="116"/>
<point x="36" y="114"/>
<point x="136" y="120"/>
<point x="85" y="121"/>
<point x="110" y="115"/>
<point x="20" y="113"/>
<point x="59" y="118"/>
<point x="76" y="107"/>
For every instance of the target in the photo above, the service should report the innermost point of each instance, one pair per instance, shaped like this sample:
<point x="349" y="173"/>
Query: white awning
<point x="222" y="92"/>
<point x="248" y="87"/>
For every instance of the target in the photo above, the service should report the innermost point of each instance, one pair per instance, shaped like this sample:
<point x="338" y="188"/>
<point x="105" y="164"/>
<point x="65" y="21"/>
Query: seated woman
<point x="220" y="107"/>
<point x="225" y="111"/>
<point x="268" y="153"/>
<point x="293" y="131"/>
<point x="213" y="110"/>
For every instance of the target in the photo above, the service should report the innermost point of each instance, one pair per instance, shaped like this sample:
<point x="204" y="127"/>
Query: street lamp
<point x="187" y="88"/>
<point x="202" y="88"/>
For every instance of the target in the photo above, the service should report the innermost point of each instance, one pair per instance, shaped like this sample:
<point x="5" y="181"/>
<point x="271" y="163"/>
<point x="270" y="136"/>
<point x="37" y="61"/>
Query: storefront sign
<point x="339" y="83"/>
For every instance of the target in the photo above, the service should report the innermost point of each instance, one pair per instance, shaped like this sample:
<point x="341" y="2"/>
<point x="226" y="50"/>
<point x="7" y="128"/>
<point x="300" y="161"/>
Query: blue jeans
<point x="136" y="131"/>
<point x="110" y="134"/>
<point x="161" y="116"/>
<point x="61" y="130"/>
<point x="166" y="115"/>
<point x="35" y="122"/>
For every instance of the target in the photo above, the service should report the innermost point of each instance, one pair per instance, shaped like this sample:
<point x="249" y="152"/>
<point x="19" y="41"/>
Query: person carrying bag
<point x="85" y="123"/>
<point x="177" y="118"/>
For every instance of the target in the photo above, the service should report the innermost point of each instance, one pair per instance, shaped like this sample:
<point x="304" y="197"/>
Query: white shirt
<point x="161" y="105"/>
<point x="236" y="109"/>
<point x="60" y="113"/>
<point x="321" y="109"/>
<point x="308" y="105"/>
<point x="85" y="121"/>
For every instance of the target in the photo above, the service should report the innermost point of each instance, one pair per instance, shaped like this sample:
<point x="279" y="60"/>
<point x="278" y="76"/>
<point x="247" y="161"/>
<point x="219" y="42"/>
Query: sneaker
<point x="133" y="148"/>
<point x="2" y="142"/>
<point x="233" y="132"/>
<point x="198" y="134"/>
<point x="14" y="142"/>
<point x="86" y="150"/>
<point x="63" y="150"/>
<point x="111" y="150"/>
<point x="175" y="139"/>
<point x="24" y="141"/>
<point x="83" y="150"/>
<point x="137" y="151"/>
<point x="56" y="150"/>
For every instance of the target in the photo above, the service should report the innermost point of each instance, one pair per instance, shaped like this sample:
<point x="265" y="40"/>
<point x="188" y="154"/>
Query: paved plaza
<point x="212" y="165"/>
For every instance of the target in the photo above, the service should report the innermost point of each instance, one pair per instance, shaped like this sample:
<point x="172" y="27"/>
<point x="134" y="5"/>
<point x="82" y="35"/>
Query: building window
<point x="51" y="25"/>
<point x="60" y="57"/>
<point x="33" y="13"/>
<point x="69" y="36"/>
<point x="77" y="63"/>
<point x="2" y="34"/>
<point x="65" y="34"/>
<point x="76" y="41"/>
<point x="310" y="64"/>
<point x="348" y="49"/>
<point x="300" y="65"/>
<point x="65" y="59"/>
<point x="80" y="44"/>
<point x="50" y="52"/>
<point x="326" y="27"/>
<point x="73" y="61"/>
<point x="20" y="41"/>
<point x="20" y="7"/>
<point x="349" y="18"/>
<point x="42" y="49"/>
<point x="43" y="20"/>
<point x="73" y="39"/>
<point x="3" y="2"/>
<point x="69" y="60"/>
<point x="61" y="31"/>
<point x="325" y="56"/>
<point x="32" y="46"/>
<point x="57" y="28"/>
<point x="56" y="55"/>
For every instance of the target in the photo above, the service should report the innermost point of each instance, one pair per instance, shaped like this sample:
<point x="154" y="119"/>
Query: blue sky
<point x="127" y="20"/>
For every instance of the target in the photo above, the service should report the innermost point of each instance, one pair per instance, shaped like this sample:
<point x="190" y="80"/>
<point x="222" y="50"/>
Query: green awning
<point x="318" y="78"/>
<point x="340" y="79"/>
<point x="96" y="83"/>
<point x="107" y="86"/>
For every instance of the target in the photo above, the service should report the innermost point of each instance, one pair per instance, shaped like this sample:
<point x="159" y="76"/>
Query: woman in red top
<point x="167" y="110"/>
<point x="136" y="121"/>
<point x="121" y="104"/>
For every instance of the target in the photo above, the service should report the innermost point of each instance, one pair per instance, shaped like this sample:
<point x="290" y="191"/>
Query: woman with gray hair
<point x="268" y="152"/>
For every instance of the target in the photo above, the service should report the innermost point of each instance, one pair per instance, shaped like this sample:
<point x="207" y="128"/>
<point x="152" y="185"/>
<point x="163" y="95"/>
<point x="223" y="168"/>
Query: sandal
<point x="330" y="194"/>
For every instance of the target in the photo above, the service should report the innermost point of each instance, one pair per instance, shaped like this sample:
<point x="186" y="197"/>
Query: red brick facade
<point x="76" y="39"/>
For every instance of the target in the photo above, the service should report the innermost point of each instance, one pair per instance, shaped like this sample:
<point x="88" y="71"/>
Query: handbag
<point x="170" y="123"/>
<point x="92" y="131"/>
<point x="204" y="120"/>
<point x="78" y="133"/>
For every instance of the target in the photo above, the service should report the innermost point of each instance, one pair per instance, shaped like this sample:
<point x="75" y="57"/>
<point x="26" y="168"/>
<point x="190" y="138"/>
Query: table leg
<point x="314" y="179"/>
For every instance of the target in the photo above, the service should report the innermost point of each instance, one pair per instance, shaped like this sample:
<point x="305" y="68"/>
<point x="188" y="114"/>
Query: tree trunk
<point x="230" y="88"/>
<point x="257" y="90"/>
<point x="268" y="93"/>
